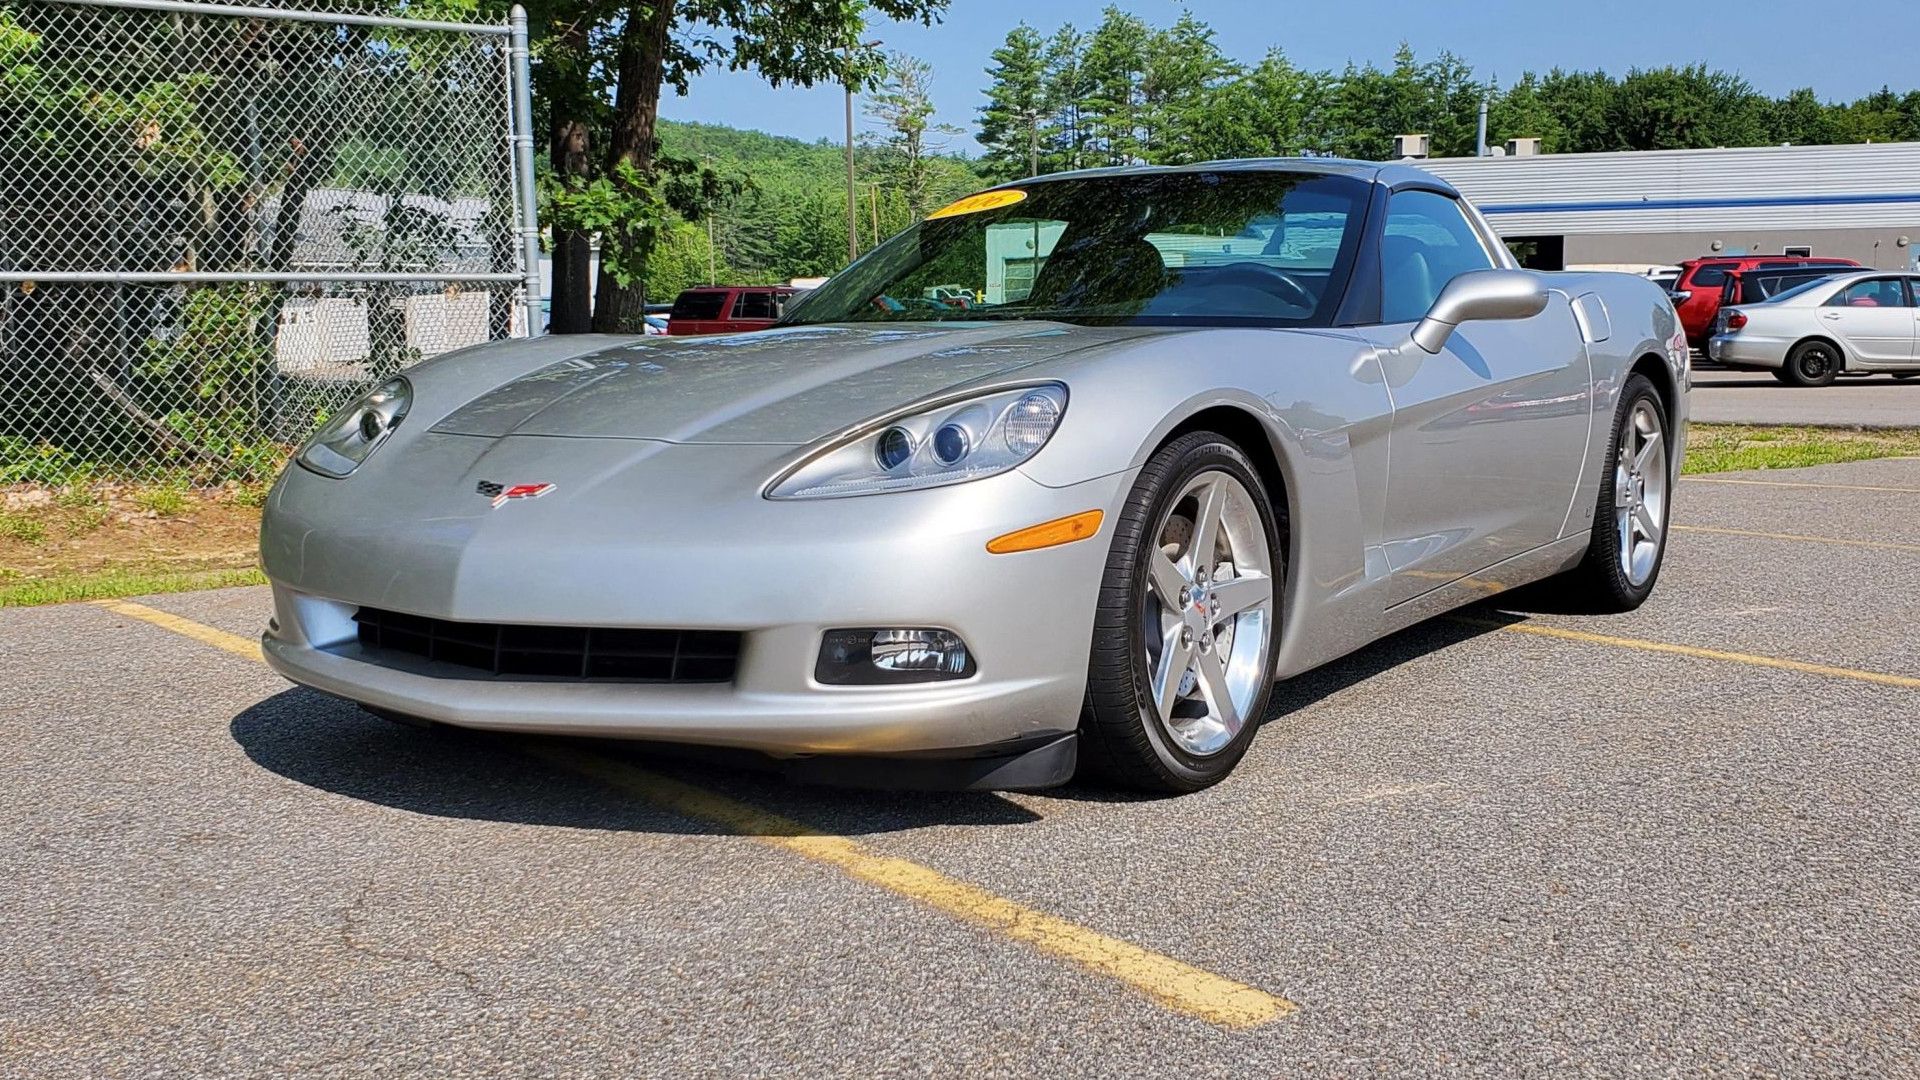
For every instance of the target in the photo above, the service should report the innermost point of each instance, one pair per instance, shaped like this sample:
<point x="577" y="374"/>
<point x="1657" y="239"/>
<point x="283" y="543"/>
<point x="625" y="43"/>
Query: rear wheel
<point x="1906" y="374"/>
<point x="1813" y="363"/>
<point x="1630" y="524"/>
<point x="1182" y="660"/>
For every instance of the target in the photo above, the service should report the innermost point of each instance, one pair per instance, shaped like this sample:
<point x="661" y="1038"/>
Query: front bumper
<point x="781" y="573"/>
<point x="1745" y="350"/>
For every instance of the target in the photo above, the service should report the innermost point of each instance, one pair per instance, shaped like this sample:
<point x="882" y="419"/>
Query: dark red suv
<point x="1696" y="292"/>
<point x="728" y="309"/>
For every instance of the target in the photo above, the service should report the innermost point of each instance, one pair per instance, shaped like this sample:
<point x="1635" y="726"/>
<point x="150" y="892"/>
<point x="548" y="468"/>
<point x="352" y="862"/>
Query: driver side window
<point x="1427" y="243"/>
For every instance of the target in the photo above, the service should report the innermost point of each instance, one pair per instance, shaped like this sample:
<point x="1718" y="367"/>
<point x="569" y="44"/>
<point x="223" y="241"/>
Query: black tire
<point x="1814" y="363"/>
<point x="1600" y="584"/>
<point x="1122" y="738"/>
<point x="1780" y="374"/>
<point x="1903" y="375"/>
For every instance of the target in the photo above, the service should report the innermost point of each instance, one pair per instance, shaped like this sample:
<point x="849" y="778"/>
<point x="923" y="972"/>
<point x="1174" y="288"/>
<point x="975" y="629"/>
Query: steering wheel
<point x="1276" y="283"/>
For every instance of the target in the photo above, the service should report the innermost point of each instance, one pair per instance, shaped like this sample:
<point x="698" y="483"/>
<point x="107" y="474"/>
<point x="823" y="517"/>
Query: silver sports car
<point x="1067" y="474"/>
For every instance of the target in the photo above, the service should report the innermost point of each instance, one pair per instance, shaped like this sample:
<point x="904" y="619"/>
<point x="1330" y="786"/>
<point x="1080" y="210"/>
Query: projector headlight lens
<point x="356" y="431"/>
<point x="948" y="444"/>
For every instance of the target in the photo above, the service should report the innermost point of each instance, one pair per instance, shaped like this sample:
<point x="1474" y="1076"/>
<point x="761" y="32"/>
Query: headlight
<point x="343" y="442"/>
<point x="950" y="444"/>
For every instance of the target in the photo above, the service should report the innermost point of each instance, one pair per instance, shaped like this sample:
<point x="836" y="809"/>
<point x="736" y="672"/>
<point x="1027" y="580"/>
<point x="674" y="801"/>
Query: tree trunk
<point x="572" y="248"/>
<point x="568" y="146"/>
<point x="621" y="309"/>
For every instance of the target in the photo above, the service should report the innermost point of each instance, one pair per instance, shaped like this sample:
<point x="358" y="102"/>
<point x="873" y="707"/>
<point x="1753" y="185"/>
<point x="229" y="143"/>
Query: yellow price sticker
<point x="974" y="204"/>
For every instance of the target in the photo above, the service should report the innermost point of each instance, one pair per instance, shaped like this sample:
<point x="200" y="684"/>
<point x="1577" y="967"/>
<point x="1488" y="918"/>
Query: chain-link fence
<point x="218" y="223"/>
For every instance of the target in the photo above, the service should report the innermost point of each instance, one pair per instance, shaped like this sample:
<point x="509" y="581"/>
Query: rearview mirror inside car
<point x="1480" y="295"/>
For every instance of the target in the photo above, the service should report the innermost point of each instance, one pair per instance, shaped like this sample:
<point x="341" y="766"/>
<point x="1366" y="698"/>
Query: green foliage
<point x="22" y="527"/>
<point x="1130" y="92"/>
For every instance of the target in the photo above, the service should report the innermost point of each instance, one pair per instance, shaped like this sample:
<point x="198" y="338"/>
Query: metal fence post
<point x="529" y="207"/>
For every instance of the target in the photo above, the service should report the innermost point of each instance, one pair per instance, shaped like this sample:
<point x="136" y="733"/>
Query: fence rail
<point x="220" y="222"/>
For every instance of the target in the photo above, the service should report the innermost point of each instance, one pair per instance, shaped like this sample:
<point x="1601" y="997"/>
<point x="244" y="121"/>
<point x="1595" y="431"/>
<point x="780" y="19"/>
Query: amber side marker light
<point x="1048" y="533"/>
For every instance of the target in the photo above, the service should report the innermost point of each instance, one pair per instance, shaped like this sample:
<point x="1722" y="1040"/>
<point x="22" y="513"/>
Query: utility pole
<point x="711" y="275"/>
<point x="853" y="204"/>
<point x="873" y="191"/>
<point x="1033" y="143"/>
<point x="853" y="225"/>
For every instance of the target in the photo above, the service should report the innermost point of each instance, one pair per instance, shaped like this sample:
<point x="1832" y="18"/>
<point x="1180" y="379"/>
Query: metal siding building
<point x="1645" y="208"/>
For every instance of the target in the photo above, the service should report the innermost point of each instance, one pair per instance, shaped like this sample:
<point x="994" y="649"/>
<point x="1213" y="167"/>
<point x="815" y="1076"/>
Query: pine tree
<point x="1017" y="104"/>
<point x="1114" y="64"/>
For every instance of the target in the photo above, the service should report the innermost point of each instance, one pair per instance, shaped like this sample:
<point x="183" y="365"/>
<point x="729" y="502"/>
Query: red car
<point x="1697" y="291"/>
<point x="728" y="309"/>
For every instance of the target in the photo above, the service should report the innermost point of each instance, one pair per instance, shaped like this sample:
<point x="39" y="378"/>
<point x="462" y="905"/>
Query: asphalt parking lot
<point x="1755" y="397"/>
<point x="1683" y="841"/>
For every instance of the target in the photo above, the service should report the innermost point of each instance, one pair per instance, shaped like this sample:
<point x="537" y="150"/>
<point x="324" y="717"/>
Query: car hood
<point x="785" y="386"/>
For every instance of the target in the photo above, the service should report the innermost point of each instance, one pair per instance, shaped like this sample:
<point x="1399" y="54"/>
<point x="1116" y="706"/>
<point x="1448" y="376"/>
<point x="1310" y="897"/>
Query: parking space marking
<point x="1176" y="985"/>
<point x="1885" y="545"/>
<point x="1795" y="484"/>
<point x="1802" y="666"/>
<point x="200" y="632"/>
<point x="1173" y="984"/>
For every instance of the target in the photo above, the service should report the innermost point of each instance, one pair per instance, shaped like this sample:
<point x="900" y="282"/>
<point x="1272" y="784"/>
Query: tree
<point x="1184" y="69"/>
<point x="1068" y="86"/>
<point x="1017" y="104"/>
<point x="630" y="51"/>
<point x="1114" y="61"/>
<point x="903" y="107"/>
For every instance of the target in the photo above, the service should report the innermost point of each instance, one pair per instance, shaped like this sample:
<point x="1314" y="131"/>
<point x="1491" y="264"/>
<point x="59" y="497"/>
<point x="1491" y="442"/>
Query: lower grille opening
<point x="608" y="654"/>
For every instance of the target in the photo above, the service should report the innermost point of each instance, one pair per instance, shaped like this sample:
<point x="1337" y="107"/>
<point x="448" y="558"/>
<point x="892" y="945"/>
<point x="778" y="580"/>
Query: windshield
<point x="1189" y="248"/>
<point x="1787" y="294"/>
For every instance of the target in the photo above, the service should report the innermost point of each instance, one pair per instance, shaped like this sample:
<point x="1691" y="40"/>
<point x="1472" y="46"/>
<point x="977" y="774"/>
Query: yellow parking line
<point x="1796" y="484"/>
<point x="1180" y="987"/>
<point x="1887" y="545"/>
<point x="206" y="635"/>
<point x="1882" y="678"/>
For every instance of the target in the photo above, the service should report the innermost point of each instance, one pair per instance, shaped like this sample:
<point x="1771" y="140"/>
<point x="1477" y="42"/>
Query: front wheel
<point x="1183" y="640"/>
<point x="1630" y="524"/>
<point x="1813" y="363"/>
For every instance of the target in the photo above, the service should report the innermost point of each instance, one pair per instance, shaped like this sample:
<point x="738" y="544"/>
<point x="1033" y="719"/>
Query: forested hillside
<point x="784" y="211"/>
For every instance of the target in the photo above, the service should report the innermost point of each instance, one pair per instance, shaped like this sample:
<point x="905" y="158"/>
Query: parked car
<point x="1755" y="286"/>
<point x="1089" y="518"/>
<point x="727" y="309"/>
<point x="1862" y="322"/>
<point x="657" y="324"/>
<point x="1696" y="293"/>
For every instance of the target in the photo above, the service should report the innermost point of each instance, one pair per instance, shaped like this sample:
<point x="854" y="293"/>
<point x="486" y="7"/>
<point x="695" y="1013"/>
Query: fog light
<point x="872" y="657"/>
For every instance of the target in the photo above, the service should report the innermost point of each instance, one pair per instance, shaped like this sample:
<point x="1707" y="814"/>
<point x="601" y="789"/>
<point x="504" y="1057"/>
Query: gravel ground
<point x="1463" y="851"/>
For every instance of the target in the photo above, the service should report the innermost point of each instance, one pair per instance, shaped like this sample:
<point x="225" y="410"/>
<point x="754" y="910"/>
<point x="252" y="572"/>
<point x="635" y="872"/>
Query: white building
<point x="1639" y="209"/>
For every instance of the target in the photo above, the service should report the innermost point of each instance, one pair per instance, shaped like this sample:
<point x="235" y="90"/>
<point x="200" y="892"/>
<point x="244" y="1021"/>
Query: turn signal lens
<point x="1048" y="533"/>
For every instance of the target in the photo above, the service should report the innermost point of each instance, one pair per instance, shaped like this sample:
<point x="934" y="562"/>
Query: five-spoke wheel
<point x="1182" y="662"/>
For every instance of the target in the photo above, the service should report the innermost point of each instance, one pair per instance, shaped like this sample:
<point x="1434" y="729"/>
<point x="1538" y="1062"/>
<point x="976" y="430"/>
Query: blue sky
<point x="1842" y="51"/>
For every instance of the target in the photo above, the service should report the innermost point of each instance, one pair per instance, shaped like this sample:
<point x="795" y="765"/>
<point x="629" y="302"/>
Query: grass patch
<point x="23" y="527"/>
<point x="164" y="501"/>
<point x="1713" y="448"/>
<point x="109" y="584"/>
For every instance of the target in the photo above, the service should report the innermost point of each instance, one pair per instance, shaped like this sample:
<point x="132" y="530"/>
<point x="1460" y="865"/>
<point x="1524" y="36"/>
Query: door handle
<point x="1830" y="315"/>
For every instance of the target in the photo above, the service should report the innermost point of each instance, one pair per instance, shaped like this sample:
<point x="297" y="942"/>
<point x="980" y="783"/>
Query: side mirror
<point x="1480" y="295"/>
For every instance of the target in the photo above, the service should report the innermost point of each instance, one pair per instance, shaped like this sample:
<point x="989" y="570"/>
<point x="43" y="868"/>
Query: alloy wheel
<point x="1208" y="617"/>
<point x="1640" y="491"/>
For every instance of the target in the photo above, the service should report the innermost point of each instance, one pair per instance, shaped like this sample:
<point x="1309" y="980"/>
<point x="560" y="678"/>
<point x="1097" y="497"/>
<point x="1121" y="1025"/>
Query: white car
<point x="1857" y="323"/>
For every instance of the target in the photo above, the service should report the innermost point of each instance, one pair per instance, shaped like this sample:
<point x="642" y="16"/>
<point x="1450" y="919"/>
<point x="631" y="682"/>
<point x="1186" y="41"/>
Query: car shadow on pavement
<point x="332" y="745"/>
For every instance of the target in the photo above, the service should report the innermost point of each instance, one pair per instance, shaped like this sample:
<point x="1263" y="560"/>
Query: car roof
<point x="1392" y="174"/>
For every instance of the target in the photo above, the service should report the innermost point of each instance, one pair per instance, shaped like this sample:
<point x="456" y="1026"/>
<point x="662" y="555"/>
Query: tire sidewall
<point x="1606" y="534"/>
<point x="1800" y="377"/>
<point x="1193" y="455"/>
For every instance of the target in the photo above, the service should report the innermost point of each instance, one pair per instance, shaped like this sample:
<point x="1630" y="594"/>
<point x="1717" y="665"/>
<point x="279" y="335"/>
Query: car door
<point x="1488" y="435"/>
<point x="1873" y="318"/>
